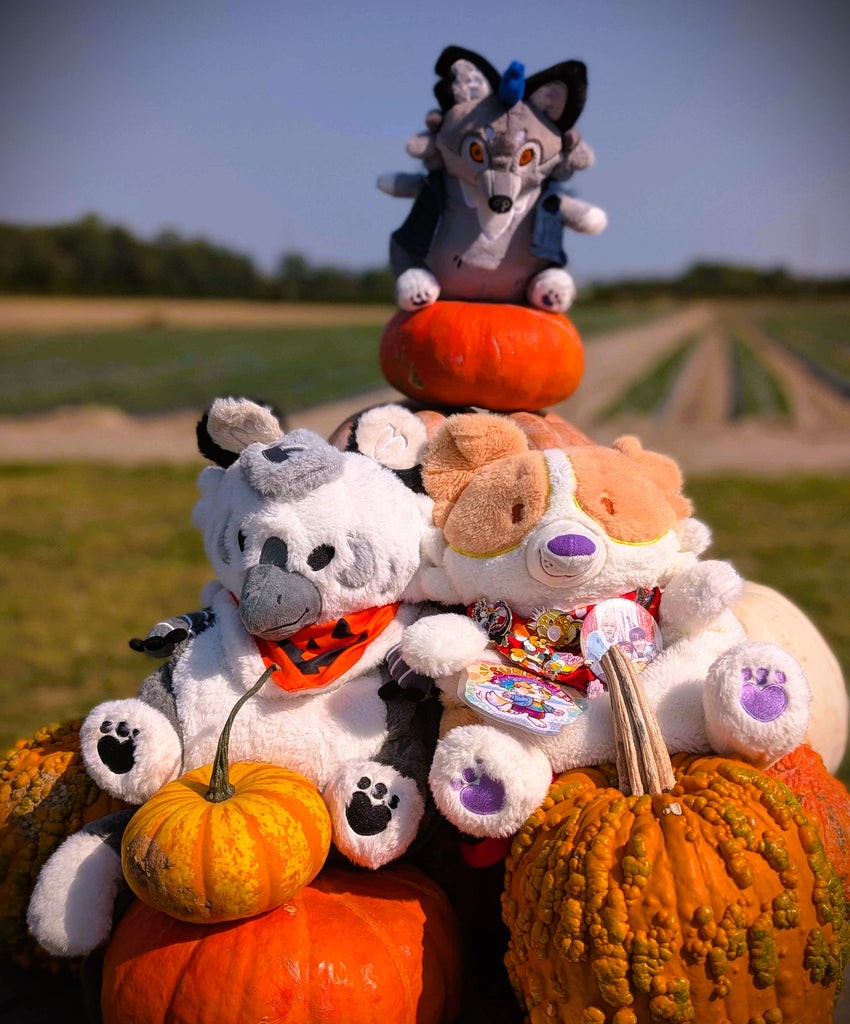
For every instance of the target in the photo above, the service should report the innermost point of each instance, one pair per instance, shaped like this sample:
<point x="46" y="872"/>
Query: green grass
<point x="92" y="555"/>
<point x="755" y="389"/>
<point x="650" y="393"/>
<point x="154" y="369"/>
<point x="593" y="319"/>
<point x="820" y="334"/>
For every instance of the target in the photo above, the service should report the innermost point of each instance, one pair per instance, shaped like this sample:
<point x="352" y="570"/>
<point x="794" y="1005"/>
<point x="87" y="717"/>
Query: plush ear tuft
<point x="231" y="424"/>
<point x="559" y="92"/>
<point x="464" y="76"/>
<point x="663" y="471"/>
<point x="464" y="444"/>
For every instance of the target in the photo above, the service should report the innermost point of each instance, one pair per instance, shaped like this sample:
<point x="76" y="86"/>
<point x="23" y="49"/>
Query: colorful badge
<point x="518" y="699"/>
<point x="624" y="623"/>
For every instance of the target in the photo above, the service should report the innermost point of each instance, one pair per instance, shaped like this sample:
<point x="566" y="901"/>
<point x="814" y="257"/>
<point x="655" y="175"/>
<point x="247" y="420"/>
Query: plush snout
<point x="275" y="603"/>
<point x="563" y="552"/>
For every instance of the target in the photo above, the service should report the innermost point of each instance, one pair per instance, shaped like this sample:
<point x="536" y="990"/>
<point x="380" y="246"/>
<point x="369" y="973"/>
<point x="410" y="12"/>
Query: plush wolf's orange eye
<point x="526" y="156"/>
<point x="476" y="151"/>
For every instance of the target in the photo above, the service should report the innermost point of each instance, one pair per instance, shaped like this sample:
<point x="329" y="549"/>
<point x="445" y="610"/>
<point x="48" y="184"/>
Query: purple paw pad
<point x="480" y="794"/>
<point x="763" y="703"/>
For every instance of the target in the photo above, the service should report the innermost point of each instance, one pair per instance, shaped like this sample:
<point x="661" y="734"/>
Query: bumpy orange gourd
<point x="376" y="947"/>
<point x="223" y="843"/>
<point x="499" y="357"/>
<point x="45" y="796"/>
<point x="713" y="902"/>
<point x="824" y="797"/>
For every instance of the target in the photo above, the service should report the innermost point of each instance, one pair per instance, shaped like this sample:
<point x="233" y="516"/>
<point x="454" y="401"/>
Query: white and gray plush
<point x="300" y="536"/>
<point x="489" y="214"/>
<point x="564" y="529"/>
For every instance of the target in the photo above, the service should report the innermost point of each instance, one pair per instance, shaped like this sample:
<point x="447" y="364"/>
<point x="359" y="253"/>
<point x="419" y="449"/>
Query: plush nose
<point x="571" y="545"/>
<point x="500" y="204"/>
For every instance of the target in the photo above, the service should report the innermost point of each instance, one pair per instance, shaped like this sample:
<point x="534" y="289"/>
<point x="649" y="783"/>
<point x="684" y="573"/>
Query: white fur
<point x="402" y="795"/>
<point x="234" y="423"/>
<point x="70" y="911"/>
<point x="439" y="645"/>
<point x="593" y="222"/>
<point x="416" y="288"/>
<point x="552" y="289"/>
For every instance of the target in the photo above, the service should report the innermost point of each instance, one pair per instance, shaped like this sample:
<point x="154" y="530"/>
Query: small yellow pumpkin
<point x="209" y="848"/>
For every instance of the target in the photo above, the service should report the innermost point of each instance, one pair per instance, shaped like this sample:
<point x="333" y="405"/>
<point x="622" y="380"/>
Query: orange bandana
<point x="319" y="654"/>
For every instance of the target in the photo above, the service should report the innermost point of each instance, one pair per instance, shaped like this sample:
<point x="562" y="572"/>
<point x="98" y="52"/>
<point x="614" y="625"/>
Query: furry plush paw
<point x="593" y="222"/>
<point x="375" y="812"/>
<point x="552" y="290"/>
<point x="416" y="288"/>
<point x="440" y="645"/>
<point x="70" y="912"/>
<point x="130" y="749"/>
<point x="486" y="782"/>
<point x="698" y="595"/>
<point x="756" y="703"/>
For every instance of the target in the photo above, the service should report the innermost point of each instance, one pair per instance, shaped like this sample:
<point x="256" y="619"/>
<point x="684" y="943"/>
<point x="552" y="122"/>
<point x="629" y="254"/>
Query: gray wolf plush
<point x="488" y="217"/>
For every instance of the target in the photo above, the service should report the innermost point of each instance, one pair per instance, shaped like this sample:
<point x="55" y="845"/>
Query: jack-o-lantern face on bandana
<point x="319" y="654"/>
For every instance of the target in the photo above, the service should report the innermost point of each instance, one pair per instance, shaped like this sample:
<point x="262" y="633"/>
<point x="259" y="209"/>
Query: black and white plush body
<point x="313" y="550"/>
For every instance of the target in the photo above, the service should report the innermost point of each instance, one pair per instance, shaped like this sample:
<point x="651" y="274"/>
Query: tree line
<point x="91" y="257"/>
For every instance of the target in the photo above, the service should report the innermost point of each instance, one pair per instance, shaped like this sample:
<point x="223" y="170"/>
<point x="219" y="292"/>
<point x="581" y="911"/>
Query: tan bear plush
<point x="555" y="552"/>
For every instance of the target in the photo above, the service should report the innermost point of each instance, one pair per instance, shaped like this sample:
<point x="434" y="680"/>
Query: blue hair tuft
<point x="512" y="85"/>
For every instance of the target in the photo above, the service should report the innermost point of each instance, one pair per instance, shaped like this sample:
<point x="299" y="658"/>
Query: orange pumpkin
<point x="824" y="798"/>
<point x="46" y="794"/>
<point x="498" y="357"/>
<point x="208" y="847"/>
<point x="713" y="902"/>
<point x="360" y="947"/>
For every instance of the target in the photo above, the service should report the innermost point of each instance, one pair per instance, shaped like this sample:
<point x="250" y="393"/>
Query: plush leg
<point x="487" y="781"/>
<point x="130" y="749"/>
<point x="70" y="911"/>
<point x="375" y="812"/>
<point x="756" y="703"/>
<point x="416" y="288"/>
<point x="552" y="289"/>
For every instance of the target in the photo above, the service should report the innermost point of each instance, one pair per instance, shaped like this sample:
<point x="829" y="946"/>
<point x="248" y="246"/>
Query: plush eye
<point x="240" y="540"/>
<point x="608" y="505"/>
<point x="518" y="512"/>
<point x="526" y="156"/>
<point x="476" y="151"/>
<point x="320" y="556"/>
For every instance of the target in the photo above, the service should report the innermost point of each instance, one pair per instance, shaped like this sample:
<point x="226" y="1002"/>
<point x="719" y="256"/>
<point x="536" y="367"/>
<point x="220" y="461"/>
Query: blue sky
<point x="720" y="129"/>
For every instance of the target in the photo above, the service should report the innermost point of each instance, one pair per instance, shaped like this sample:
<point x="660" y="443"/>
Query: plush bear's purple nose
<point x="569" y="545"/>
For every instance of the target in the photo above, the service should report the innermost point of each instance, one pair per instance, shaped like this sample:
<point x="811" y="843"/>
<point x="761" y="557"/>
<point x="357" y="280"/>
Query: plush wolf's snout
<point x="500" y="204"/>
<point x="275" y="603"/>
<point x="563" y="552"/>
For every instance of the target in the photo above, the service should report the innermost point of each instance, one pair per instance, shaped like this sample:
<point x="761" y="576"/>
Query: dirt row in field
<point x="694" y="426"/>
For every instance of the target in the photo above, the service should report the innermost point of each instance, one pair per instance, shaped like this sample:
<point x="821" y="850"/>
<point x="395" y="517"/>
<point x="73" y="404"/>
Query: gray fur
<point x="292" y="467"/>
<point x="363" y="567"/>
<point x="158" y="690"/>
<point x="275" y="604"/>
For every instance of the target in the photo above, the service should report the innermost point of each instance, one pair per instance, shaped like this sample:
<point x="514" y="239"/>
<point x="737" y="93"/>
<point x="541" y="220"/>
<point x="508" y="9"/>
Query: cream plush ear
<point x="392" y="435"/>
<point x="235" y="423"/>
<point x="464" y="444"/>
<point x="661" y="470"/>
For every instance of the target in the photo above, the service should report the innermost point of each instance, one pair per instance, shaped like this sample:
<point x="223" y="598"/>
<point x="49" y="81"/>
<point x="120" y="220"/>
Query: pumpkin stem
<point x="643" y="762"/>
<point x="220" y="787"/>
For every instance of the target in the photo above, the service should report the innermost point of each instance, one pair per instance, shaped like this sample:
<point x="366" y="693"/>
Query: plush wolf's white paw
<point x="486" y="782"/>
<point x="756" y="703"/>
<point x="593" y="222"/>
<point x="375" y="812"/>
<point x="70" y="912"/>
<point x="552" y="289"/>
<point x="130" y="749"/>
<point x="416" y="288"/>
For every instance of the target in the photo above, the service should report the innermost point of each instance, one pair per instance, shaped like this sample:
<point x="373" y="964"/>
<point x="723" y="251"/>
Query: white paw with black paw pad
<point x="552" y="290"/>
<point x="375" y="812"/>
<point x="416" y="288"/>
<point x="756" y="703"/>
<point x="130" y="749"/>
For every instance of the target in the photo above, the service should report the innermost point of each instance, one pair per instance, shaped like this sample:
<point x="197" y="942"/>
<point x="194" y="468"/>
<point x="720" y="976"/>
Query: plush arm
<point x="440" y="645"/>
<point x="401" y="186"/>
<point x="583" y="217"/>
<point x="698" y="595"/>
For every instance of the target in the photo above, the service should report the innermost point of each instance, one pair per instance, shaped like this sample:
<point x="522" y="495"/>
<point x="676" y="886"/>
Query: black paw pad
<point x="117" y="747"/>
<point x="369" y="813"/>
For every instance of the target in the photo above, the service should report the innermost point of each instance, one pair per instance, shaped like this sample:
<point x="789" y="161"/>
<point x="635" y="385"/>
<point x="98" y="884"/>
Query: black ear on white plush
<point x="464" y="76"/>
<point x="231" y="424"/>
<point x="559" y="92"/>
<point x="393" y="436"/>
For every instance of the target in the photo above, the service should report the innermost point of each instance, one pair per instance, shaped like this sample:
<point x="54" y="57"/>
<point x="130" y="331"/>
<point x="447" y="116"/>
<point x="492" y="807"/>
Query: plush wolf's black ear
<point x="464" y="76"/>
<point x="559" y="92"/>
